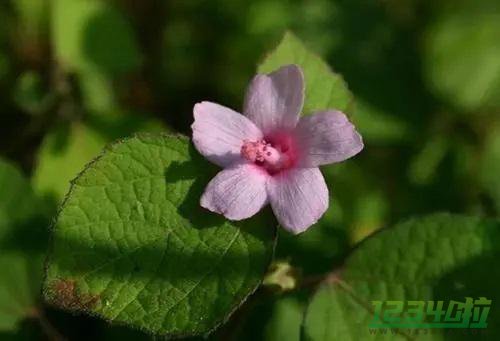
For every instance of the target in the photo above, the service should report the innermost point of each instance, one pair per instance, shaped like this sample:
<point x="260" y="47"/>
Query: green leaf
<point x="370" y="211"/>
<point x="28" y="92"/>
<point x="98" y="93"/>
<point x="461" y="55"/>
<point x="22" y="237"/>
<point x="438" y="257"/>
<point x="285" y="320"/>
<point x="93" y="35"/>
<point x="94" y="40"/>
<point x="326" y="308"/>
<point x="132" y="244"/>
<point x="424" y="166"/>
<point x="324" y="88"/>
<point x="490" y="166"/>
<point x="377" y="127"/>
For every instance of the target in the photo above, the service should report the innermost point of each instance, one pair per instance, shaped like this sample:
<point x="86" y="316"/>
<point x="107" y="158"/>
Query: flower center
<point x="274" y="154"/>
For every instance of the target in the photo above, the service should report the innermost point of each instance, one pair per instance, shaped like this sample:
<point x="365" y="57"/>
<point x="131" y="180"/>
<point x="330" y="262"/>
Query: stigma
<point x="265" y="154"/>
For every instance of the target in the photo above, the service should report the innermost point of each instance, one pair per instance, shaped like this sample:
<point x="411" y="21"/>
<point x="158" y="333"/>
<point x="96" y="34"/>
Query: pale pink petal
<point x="275" y="101"/>
<point x="326" y="137"/>
<point x="299" y="197"/>
<point x="218" y="132"/>
<point x="237" y="192"/>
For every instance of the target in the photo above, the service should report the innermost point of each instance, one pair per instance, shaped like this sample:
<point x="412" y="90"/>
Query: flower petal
<point x="237" y="193"/>
<point x="326" y="137"/>
<point x="299" y="197"/>
<point x="218" y="132"/>
<point x="274" y="101"/>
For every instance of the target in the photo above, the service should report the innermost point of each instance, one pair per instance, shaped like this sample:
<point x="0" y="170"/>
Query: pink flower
<point x="270" y="154"/>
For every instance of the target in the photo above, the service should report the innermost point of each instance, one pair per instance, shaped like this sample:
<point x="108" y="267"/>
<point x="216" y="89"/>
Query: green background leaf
<point x="461" y="55"/>
<point x="324" y="88"/>
<point x="92" y="35"/>
<point x="68" y="148"/>
<point x="132" y="244"/>
<point x="93" y="40"/>
<point x="438" y="257"/>
<point x="490" y="166"/>
<point x="22" y="241"/>
<point x="62" y="155"/>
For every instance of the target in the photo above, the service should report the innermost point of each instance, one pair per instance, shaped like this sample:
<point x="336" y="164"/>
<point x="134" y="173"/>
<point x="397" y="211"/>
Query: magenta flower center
<point x="274" y="153"/>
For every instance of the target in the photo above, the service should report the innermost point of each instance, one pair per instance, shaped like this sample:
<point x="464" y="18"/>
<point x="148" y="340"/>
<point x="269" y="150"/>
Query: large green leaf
<point x="324" y="88"/>
<point x="132" y="244"/>
<point x="438" y="257"/>
<point x="22" y="238"/>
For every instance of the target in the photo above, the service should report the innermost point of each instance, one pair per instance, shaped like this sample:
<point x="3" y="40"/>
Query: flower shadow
<point x="198" y="173"/>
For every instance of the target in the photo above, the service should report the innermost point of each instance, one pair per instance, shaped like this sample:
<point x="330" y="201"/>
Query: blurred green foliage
<point x="77" y="74"/>
<point x="23" y="240"/>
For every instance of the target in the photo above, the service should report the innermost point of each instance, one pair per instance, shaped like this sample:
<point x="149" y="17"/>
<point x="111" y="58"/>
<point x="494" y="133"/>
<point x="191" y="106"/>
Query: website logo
<point x="471" y="314"/>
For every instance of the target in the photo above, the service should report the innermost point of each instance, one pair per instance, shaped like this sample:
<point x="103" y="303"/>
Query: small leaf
<point x="438" y="257"/>
<point x="424" y="166"/>
<point x="324" y="88"/>
<point x="370" y="209"/>
<point x="132" y="244"/>
<point x="22" y="237"/>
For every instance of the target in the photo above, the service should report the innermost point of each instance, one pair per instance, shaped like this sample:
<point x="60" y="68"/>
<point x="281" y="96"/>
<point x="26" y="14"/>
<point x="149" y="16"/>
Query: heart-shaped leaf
<point x="440" y="257"/>
<point x="132" y="244"/>
<point x="324" y="88"/>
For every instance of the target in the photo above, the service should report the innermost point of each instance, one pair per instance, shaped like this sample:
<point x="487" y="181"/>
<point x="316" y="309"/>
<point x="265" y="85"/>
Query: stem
<point x="50" y="331"/>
